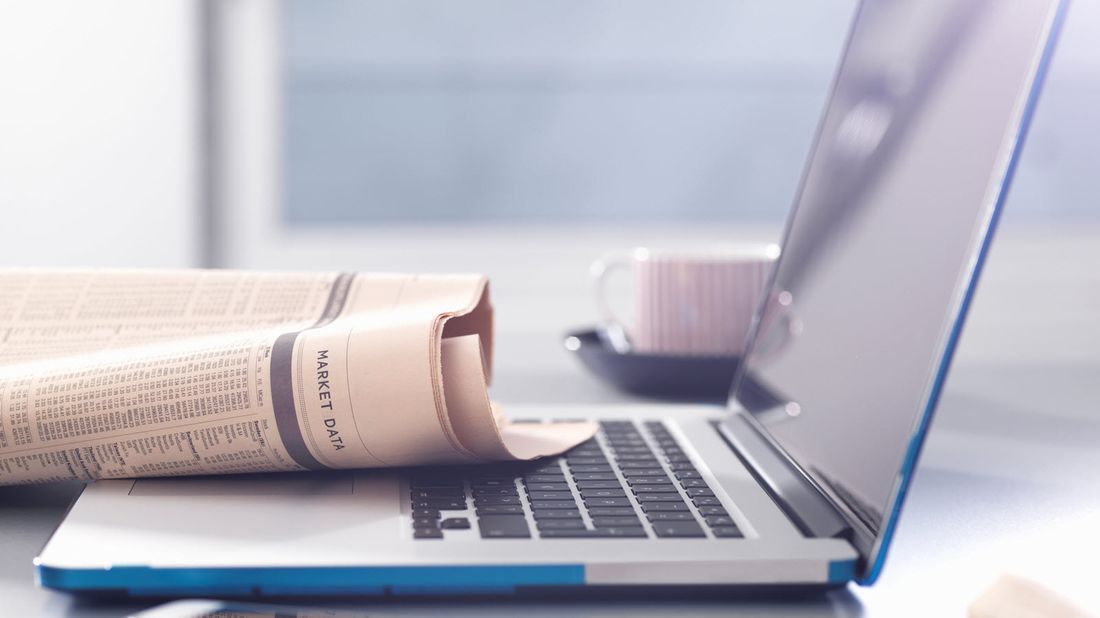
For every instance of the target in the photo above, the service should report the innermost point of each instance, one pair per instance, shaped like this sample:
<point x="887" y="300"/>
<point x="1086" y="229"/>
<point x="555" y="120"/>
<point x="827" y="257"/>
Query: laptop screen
<point x="902" y="187"/>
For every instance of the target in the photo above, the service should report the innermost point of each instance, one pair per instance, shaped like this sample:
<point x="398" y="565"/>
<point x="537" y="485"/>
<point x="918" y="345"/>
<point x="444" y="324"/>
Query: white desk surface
<point x="1007" y="482"/>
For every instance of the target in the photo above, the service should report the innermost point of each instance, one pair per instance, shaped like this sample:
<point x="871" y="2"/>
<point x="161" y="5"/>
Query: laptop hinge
<point x="799" y="498"/>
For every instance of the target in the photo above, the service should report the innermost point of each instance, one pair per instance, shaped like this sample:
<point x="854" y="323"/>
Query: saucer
<point x="682" y="378"/>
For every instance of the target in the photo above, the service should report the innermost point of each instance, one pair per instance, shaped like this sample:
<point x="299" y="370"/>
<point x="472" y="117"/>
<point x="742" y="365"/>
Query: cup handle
<point x="617" y="332"/>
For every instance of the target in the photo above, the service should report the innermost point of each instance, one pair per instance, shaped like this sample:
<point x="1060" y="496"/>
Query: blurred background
<point x="513" y="137"/>
<point x="413" y="113"/>
<point x="524" y="139"/>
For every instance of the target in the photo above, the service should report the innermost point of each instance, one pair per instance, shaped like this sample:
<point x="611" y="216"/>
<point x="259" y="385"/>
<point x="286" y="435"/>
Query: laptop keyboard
<point x="629" y="482"/>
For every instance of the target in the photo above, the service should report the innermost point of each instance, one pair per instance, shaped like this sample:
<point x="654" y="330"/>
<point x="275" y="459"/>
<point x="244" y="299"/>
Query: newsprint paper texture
<point x="128" y="373"/>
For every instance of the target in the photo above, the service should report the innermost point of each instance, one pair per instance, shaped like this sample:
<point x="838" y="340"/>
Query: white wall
<point x="98" y="139"/>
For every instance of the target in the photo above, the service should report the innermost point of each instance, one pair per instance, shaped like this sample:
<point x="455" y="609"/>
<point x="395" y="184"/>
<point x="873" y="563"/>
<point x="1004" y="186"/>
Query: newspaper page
<point x="109" y="374"/>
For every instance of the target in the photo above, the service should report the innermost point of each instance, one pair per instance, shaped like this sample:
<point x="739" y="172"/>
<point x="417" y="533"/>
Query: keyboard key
<point x="643" y="457"/>
<point x="606" y="502"/>
<point x="719" y="520"/>
<point x="503" y="527"/>
<point x="645" y="472"/>
<point x="712" y="510"/>
<point x="592" y="444"/>
<point x="440" y="504"/>
<point x="661" y="507"/>
<point x="682" y="466"/>
<point x="587" y="461"/>
<point x="425" y="522"/>
<point x="496" y="491"/>
<point x="727" y="532"/>
<point x="427" y="533"/>
<point x="428" y="494"/>
<point x="633" y="450"/>
<point x="691" y="483"/>
<point x="706" y="501"/>
<point x="544" y="478"/>
<point x="602" y="493"/>
<point x="671" y="516"/>
<point x="557" y="514"/>
<point x="487" y="500"/>
<point x="582" y="485"/>
<point x="560" y="524"/>
<point x="655" y="489"/>
<point x="547" y="486"/>
<point x="594" y="476"/>
<point x="678" y="529"/>
<point x="598" y="533"/>
<point x="552" y="504"/>
<point x="659" y="498"/>
<point x="686" y="473"/>
<point x="433" y="513"/>
<point x="696" y="492"/>
<point x="627" y="442"/>
<point x="616" y="423"/>
<point x="499" y="509"/>
<point x="549" y="495"/>
<point x="649" y="480"/>
<point x="616" y="511"/>
<point x="585" y="450"/>
<point x="615" y="522"/>
<point x="455" y="523"/>
<point x="591" y="468"/>
<point x="635" y="465"/>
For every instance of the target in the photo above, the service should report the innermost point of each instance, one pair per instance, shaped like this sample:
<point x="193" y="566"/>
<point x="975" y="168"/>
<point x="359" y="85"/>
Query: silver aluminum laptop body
<point x="798" y="482"/>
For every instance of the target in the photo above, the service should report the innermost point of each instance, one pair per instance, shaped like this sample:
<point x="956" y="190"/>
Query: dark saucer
<point x="682" y="378"/>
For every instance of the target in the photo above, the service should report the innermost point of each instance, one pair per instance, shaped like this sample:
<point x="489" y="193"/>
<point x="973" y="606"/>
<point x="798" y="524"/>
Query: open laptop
<point x="799" y="481"/>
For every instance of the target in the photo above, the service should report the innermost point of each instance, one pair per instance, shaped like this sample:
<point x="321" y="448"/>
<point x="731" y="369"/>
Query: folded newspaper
<point x="108" y="374"/>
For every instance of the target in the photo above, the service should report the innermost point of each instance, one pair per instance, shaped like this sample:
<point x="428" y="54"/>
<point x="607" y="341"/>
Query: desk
<point x="1007" y="481"/>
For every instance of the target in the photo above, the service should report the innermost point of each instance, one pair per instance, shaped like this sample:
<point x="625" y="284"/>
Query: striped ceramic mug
<point x="690" y="302"/>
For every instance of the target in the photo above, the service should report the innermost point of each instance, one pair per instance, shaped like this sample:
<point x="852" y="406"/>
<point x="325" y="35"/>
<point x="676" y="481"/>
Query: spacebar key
<point x="631" y="532"/>
<point x="503" y="527"/>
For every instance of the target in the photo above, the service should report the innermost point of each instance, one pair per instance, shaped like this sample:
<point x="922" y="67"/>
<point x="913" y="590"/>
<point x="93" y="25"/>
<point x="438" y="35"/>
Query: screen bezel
<point x="873" y="546"/>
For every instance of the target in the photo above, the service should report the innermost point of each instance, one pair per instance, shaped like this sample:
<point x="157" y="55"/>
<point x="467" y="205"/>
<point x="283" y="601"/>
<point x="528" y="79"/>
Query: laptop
<point x="797" y="483"/>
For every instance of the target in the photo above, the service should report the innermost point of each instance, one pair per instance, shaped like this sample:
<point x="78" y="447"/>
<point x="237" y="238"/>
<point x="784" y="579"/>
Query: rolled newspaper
<point x="132" y="373"/>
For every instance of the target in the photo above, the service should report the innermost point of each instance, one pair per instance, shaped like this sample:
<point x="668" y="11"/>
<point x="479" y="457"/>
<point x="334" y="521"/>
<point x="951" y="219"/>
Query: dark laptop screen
<point x="890" y="223"/>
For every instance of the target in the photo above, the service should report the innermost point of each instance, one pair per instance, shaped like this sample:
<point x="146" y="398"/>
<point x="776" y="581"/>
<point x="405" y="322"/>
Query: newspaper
<point x="130" y="373"/>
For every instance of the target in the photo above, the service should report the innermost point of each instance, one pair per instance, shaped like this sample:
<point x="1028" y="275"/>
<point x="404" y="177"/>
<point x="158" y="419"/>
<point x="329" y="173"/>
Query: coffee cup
<point x="697" y="302"/>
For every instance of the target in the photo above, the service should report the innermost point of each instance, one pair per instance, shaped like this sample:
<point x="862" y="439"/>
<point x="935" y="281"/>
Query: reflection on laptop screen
<point x="901" y="187"/>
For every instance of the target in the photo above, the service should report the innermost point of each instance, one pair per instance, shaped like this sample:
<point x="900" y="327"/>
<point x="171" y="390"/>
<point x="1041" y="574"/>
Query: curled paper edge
<point x="477" y="422"/>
